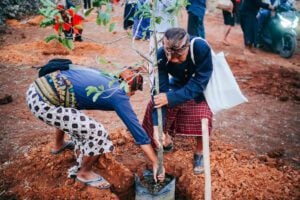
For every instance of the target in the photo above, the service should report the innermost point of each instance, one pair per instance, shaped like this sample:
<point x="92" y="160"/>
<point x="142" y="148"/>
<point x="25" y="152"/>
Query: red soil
<point x="254" y="146"/>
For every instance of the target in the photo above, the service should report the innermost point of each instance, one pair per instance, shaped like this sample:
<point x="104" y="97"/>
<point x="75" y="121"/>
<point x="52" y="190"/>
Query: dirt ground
<point x="254" y="146"/>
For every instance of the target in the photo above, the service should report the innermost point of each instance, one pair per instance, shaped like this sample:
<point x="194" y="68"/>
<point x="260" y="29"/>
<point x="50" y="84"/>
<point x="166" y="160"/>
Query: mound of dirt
<point x="281" y="83"/>
<point x="235" y="174"/>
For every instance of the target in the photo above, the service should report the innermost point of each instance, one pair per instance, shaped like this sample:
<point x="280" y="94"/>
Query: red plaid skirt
<point x="184" y="119"/>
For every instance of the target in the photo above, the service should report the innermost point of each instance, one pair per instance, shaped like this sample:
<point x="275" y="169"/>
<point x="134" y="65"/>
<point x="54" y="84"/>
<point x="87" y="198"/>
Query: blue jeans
<point x="196" y="25"/>
<point x="264" y="14"/>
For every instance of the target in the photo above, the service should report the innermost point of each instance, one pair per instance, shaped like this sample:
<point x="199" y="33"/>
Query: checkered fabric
<point x="183" y="119"/>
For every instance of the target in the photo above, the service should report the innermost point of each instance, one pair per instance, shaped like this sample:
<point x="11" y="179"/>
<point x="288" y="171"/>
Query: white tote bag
<point x="222" y="91"/>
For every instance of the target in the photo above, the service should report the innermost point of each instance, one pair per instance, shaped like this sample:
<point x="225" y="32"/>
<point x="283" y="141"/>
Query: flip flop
<point x="68" y="145"/>
<point x="93" y="182"/>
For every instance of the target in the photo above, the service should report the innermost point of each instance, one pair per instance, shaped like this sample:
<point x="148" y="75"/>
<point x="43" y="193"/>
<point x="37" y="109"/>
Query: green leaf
<point x="124" y="86"/>
<point x="47" y="3"/>
<point x="47" y="22"/>
<point x="108" y="8"/>
<point x="104" y="18"/>
<point x="111" y="83"/>
<point x="68" y="43"/>
<point x="50" y="37"/>
<point x="158" y="20"/>
<point x="53" y="13"/>
<point x="60" y="29"/>
<point x="42" y="11"/>
<point x="95" y="97"/>
<point x="90" y="90"/>
<point x="88" y="12"/>
<point x="112" y="27"/>
<point x="98" y="20"/>
<point x="101" y="88"/>
<point x="60" y="39"/>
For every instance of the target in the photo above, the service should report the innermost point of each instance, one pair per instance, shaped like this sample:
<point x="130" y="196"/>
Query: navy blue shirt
<point x="188" y="80"/>
<point x="197" y="7"/>
<point x="112" y="99"/>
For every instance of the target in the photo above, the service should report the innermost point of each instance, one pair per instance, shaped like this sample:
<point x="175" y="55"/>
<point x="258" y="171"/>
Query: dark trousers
<point x="196" y="25"/>
<point x="128" y="15"/>
<point x="87" y="4"/>
<point x="69" y="4"/>
<point x="249" y="27"/>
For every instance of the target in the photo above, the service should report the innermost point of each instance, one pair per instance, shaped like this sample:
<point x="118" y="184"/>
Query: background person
<point x="229" y="21"/>
<point x="87" y="4"/>
<point x="129" y="9"/>
<point x="141" y="25"/>
<point x="249" y="24"/>
<point x="181" y="97"/>
<point x="57" y="99"/>
<point x="196" y="12"/>
<point x="73" y="22"/>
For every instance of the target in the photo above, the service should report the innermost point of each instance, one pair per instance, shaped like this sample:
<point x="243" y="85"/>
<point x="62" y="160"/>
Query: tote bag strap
<point x="192" y="48"/>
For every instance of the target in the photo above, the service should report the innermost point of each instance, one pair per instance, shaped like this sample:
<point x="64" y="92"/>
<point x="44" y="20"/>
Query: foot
<point x="93" y="180"/>
<point x="198" y="164"/>
<point x="68" y="145"/>
<point x="78" y="38"/>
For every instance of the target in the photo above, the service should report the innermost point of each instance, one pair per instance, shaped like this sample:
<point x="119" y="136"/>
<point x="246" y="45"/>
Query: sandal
<point x="67" y="145"/>
<point x="198" y="164"/>
<point x="104" y="184"/>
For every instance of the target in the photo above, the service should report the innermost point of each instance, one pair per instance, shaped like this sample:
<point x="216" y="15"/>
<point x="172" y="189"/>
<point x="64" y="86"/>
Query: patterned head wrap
<point x="133" y="78"/>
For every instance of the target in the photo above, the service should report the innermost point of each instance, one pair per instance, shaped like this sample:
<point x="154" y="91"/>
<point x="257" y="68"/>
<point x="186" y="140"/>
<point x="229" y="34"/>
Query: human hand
<point x="167" y="140"/>
<point x="160" y="100"/>
<point x="158" y="177"/>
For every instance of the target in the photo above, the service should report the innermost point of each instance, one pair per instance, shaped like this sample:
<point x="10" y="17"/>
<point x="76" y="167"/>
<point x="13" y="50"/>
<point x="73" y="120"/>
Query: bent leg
<point x="89" y="136"/>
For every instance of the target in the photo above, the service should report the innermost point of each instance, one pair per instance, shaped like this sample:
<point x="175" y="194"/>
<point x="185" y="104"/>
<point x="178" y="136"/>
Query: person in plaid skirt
<point x="181" y="85"/>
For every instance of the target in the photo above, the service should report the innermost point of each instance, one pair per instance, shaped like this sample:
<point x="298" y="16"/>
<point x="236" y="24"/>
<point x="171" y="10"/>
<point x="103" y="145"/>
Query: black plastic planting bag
<point x="146" y="189"/>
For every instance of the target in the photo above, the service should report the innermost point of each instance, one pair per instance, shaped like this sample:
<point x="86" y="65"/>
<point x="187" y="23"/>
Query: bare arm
<point x="147" y="148"/>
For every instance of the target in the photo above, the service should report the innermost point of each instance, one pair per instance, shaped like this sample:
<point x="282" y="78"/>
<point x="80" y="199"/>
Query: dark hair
<point x="176" y="34"/>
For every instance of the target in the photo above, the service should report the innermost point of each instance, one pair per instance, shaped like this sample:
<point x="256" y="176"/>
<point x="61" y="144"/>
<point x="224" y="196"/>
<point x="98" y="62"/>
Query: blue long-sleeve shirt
<point x="188" y="80"/>
<point x="197" y="7"/>
<point x="111" y="99"/>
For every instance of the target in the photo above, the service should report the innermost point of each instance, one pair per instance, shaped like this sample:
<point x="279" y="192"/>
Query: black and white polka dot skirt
<point x="89" y="136"/>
